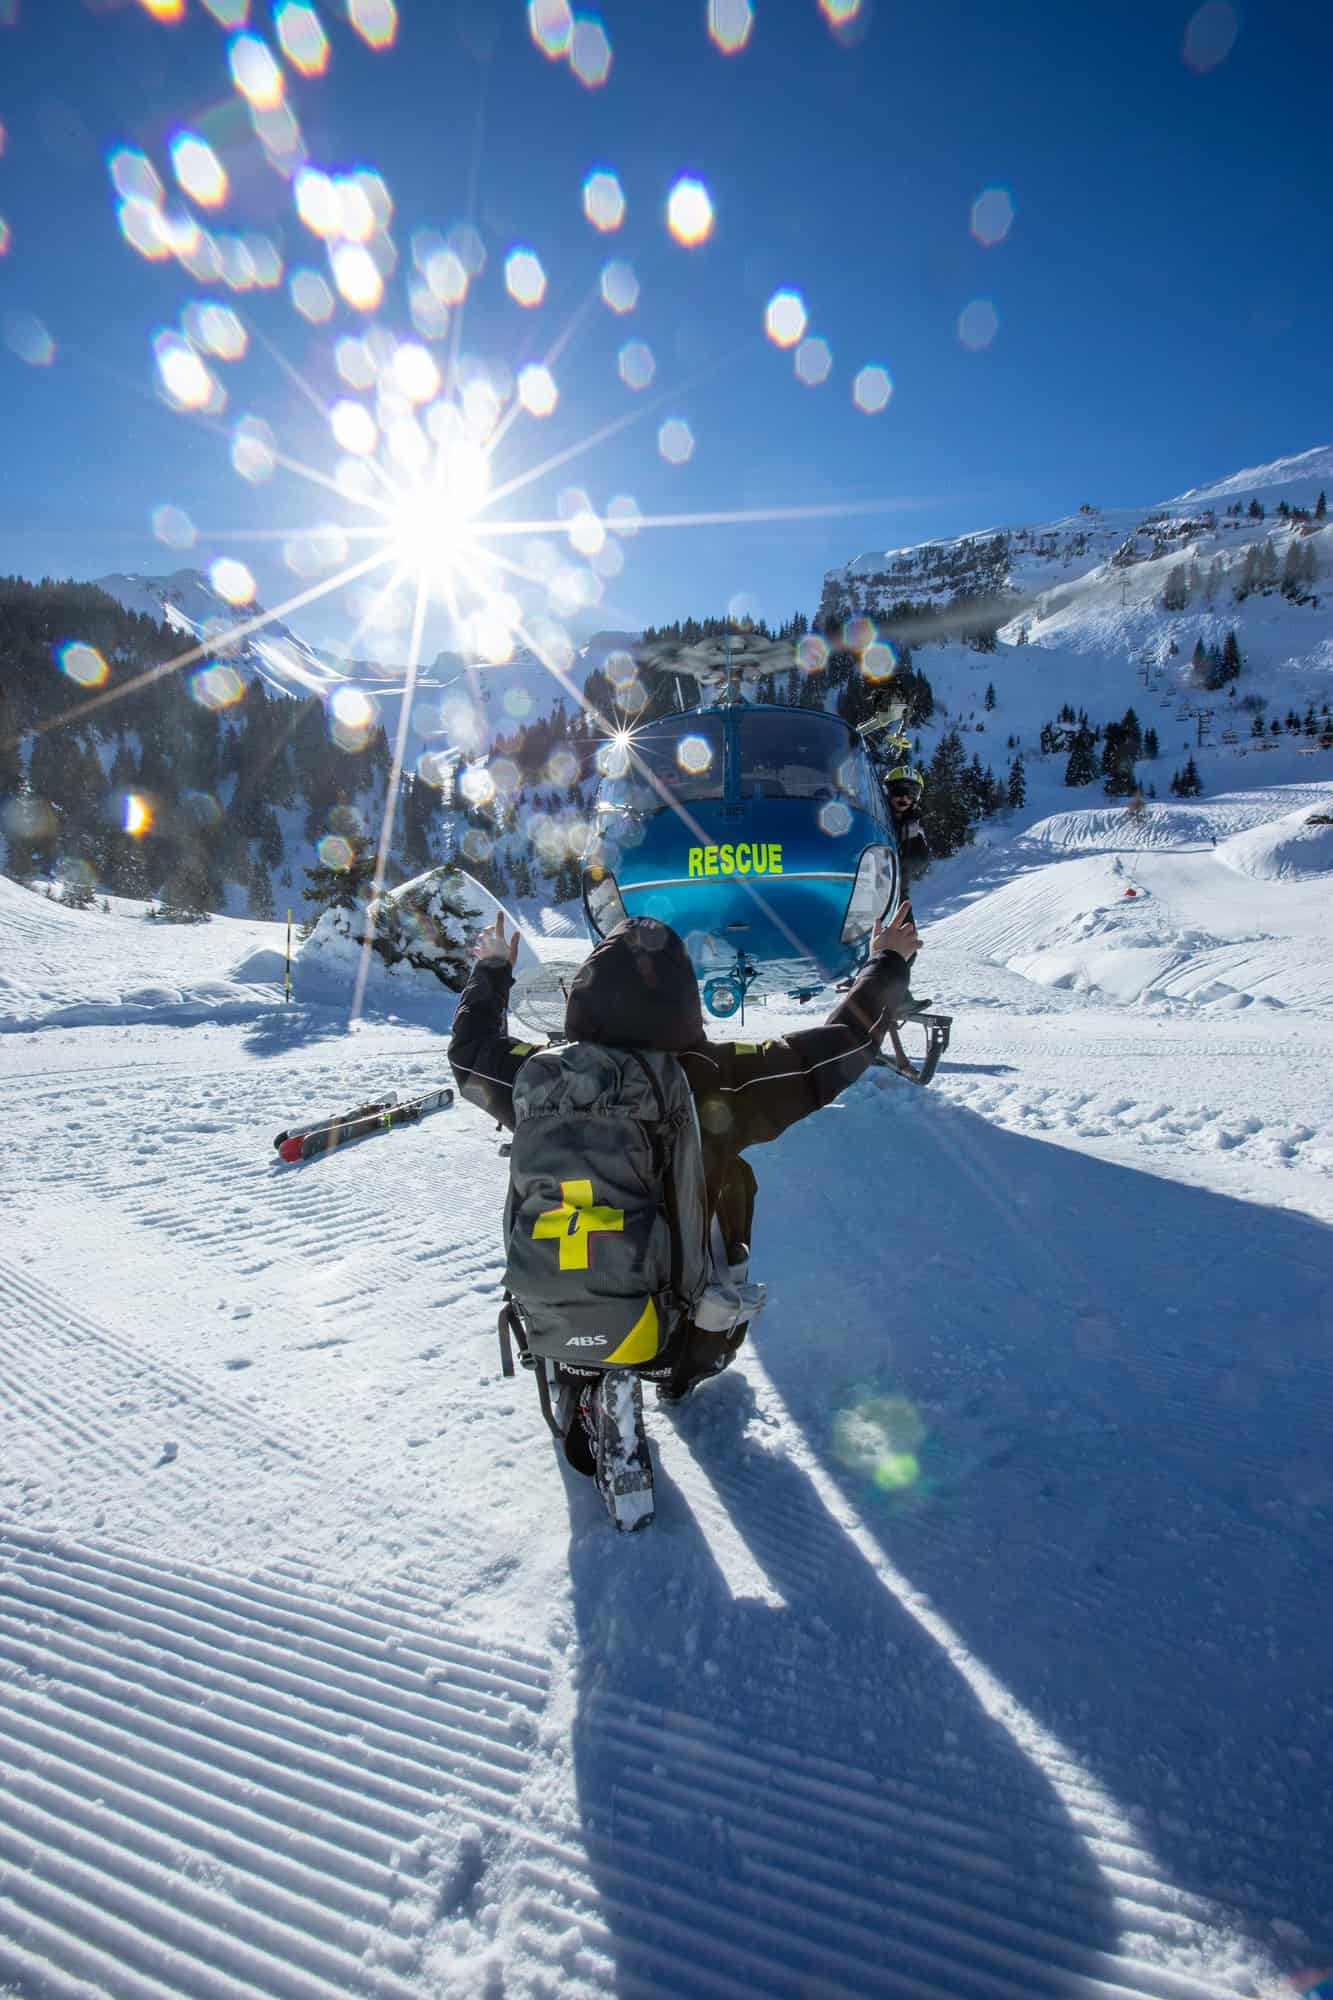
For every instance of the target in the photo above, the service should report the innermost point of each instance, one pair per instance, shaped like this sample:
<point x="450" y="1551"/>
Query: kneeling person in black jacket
<point x="637" y="990"/>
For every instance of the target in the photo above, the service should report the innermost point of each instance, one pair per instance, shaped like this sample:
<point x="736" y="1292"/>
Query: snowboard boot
<point x="624" y="1470"/>
<point x="576" y="1421"/>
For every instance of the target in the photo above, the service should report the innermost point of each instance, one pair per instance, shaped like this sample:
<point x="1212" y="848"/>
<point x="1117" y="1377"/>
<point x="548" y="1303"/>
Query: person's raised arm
<point x="752" y="1091"/>
<point x="484" y="1058"/>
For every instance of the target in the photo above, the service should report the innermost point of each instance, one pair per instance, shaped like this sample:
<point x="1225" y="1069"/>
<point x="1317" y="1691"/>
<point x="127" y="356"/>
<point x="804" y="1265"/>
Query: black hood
<point x="636" y="990"/>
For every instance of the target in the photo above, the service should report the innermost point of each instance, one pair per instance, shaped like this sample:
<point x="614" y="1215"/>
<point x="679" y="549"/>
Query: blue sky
<point x="1161" y="300"/>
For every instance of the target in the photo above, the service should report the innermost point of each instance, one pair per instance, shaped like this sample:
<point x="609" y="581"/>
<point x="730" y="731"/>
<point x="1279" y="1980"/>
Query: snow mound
<point x="407" y="950"/>
<point x="265" y="967"/>
<point x="1165" y="929"/>
<point x="1107" y="829"/>
<point x="1295" y="848"/>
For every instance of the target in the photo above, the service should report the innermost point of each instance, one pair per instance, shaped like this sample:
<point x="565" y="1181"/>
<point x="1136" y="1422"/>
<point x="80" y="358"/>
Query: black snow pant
<point x="700" y="1353"/>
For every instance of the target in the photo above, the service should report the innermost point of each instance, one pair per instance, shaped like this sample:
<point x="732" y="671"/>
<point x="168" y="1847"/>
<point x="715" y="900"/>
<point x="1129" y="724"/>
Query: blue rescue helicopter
<point x="757" y="830"/>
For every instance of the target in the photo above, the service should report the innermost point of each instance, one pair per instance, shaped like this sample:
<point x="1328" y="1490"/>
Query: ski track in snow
<point x="314" y="1682"/>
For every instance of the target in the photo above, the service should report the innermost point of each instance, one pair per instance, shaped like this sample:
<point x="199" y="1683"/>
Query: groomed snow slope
<point x="977" y="1648"/>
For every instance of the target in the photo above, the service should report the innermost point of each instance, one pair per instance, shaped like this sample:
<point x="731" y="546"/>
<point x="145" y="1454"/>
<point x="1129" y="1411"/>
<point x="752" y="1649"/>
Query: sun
<point x="432" y="522"/>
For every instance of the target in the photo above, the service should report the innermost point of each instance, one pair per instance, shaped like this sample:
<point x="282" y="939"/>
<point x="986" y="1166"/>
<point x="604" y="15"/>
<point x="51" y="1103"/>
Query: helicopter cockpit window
<point x="647" y="771"/>
<point x="795" y="756"/>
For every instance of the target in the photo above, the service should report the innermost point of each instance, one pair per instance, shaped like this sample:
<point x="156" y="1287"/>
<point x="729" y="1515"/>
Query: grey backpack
<point x="606" y="1225"/>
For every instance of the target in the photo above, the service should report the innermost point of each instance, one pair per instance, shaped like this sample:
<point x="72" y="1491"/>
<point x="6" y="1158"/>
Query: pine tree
<point x="341" y="888"/>
<point x="1175" y="591"/>
<point x="990" y="694"/>
<point x="1118" y="781"/>
<point x="259" y="892"/>
<point x="185" y="894"/>
<point x="1151" y="748"/>
<point x="1017" y="792"/>
<point x="1080" y="769"/>
<point x="1231" y="660"/>
<point x="1320" y="506"/>
<point x="944" y="803"/>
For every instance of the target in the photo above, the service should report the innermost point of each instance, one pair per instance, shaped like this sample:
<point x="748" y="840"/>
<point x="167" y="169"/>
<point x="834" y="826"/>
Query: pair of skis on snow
<point x="308" y="1142"/>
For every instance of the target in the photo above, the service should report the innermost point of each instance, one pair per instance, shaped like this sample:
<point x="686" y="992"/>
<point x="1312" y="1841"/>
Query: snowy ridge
<point x="507" y="695"/>
<point x="1299" y="480"/>
<point x="1103" y="610"/>
<point x="188" y="602"/>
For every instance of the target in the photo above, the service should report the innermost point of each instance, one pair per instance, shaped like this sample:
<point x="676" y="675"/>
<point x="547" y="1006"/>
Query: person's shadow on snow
<point x="793" y="1792"/>
<point x="1111" y="1396"/>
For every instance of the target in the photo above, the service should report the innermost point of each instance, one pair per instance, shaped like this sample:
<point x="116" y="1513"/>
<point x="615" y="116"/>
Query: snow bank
<point x="105" y="968"/>
<point x="1295" y="848"/>
<point x="1103" y="829"/>
<point x="409" y="950"/>
<point x="1162" y="927"/>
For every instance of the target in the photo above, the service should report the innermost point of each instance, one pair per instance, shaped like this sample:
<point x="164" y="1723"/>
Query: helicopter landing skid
<point x="937" y="1027"/>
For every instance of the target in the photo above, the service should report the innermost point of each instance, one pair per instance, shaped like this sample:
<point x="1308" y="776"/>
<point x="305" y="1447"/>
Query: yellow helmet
<point x="903" y="774"/>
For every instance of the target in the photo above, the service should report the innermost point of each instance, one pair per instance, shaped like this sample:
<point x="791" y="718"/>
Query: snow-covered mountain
<point x="188" y="601"/>
<point x="1104" y="608"/>
<point x="522" y="689"/>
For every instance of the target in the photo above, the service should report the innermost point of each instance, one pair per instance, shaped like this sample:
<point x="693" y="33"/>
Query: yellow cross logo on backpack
<point x="576" y="1220"/>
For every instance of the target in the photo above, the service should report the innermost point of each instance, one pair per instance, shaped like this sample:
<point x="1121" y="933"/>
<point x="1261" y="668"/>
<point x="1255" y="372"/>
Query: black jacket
<point x="636" y="990"/>
<point x="913" y="848"/>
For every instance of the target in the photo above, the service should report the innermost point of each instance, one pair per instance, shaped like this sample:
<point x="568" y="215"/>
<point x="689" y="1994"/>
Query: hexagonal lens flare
<point x="357" y="276"/>
<point x="354" y="428"/>
<point x="301" y="37"/>
<point x="376" y="21"/>
<point x="992" y="216"/>
<point x="814" y="359"/>
<point x="978" y="324"/>
<point x="590" y="51"/>
<point x="185" y="380"/>
<point x="255" y="73"/>
<point x="603" y="200"/>
<point x="311" y="296"/>
<point x="785" y="318"/>
<point x="525" y="280"/>
<point x="729" y="24"/>
<point x="636" y="364"/>
<point x="173" y="526"/>
<point x="199" y="170"/>
<point x="232" y="580"/>
<point x="690" y="212"/>
<point x="675" y="441"/>
<point x="620" y="286"/>
<point x="254" y="451"/>
<point x="872" y="389"/>
<point x="537" y="391"/>
<point x="82" y="663"/>
<point x="551" y="25"/>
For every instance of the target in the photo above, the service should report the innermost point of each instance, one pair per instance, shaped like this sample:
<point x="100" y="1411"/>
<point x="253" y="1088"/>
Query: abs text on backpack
<point x="606" y="1220"/>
